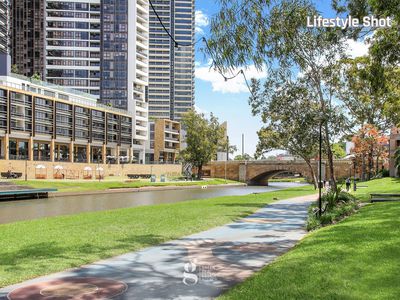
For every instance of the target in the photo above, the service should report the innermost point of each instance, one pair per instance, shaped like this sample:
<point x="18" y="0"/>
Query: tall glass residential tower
<point x="124" y="62"/>
<point x="171" y="68"/>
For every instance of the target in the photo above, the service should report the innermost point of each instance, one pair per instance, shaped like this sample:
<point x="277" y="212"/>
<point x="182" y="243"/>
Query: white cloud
<point x="201" y="21"/>
<point x="235" y="85"/>
<point x="357" y="48"/>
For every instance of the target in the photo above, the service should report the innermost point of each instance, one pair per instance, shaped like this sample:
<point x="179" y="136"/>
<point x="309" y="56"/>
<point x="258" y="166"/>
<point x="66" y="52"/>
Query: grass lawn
<point x="84" y="186"/>
<point x="384" y="185"/>
<point x="358" y="258"/>
<point x="32" y="248"/>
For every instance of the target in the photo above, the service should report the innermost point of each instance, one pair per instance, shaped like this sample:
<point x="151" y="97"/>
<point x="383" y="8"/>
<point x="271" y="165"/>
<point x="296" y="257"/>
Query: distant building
<point x="165" y="141"/>
<point x="171" y="74"/>
<point x="349" y="147"/>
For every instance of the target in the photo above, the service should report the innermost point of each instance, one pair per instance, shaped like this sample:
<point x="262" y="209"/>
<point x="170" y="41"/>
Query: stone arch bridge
<point x="260" y="171"/>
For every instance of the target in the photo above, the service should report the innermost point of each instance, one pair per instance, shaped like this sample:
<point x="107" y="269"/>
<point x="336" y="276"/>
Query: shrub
<point x="335" y="207"/>
<point x="313" y="222"/>
<point x="346" y="197"/>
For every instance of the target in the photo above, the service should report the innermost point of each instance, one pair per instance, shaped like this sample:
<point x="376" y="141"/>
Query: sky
<point x="229" y="100"/>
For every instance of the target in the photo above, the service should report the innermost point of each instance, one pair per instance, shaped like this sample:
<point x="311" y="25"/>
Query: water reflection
<point x="12" y="211"/>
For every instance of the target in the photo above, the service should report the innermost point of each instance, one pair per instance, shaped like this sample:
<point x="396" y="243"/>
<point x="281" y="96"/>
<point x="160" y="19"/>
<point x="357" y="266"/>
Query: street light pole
<point x="320" y="171"/>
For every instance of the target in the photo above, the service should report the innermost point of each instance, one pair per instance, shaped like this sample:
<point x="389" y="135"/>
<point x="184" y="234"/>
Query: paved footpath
<point x="200" y="266"/>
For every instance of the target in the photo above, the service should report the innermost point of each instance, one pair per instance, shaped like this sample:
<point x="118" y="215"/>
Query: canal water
<point x="12" y="211"/>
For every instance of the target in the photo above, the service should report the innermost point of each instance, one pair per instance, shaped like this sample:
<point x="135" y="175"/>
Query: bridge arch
<point x="258" y="172"/>
<point x="263" y="178"/>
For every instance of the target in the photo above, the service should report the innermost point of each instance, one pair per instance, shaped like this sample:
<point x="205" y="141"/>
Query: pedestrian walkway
<point x="200" y="266"/>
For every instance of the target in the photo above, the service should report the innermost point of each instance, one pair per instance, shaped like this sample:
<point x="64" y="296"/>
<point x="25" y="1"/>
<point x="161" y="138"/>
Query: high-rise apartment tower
<point x="171" y="66"/>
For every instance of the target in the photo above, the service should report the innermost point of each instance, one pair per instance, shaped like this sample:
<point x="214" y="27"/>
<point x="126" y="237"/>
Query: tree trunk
<point x="377" y="164"/>
<point x="363" y="167"/>
<point x="327" y="135"/>
<point x="370" y="163"/>
<point x="330" y="159"/>
<point x="199" y="171"/>
<point x="313" y="175"/>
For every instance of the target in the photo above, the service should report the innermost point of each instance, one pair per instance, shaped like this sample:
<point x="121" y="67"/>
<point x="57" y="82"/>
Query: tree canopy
<point x="203" y="138"/>
<point x="275" y="35"/>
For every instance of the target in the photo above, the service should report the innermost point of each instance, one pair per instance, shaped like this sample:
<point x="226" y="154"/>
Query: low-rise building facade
<point x="42" y="122"/>
<point x="164" y="142"/>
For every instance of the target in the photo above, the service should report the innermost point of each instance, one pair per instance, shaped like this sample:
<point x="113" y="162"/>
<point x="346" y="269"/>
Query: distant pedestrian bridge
<point x="258" y="172"/>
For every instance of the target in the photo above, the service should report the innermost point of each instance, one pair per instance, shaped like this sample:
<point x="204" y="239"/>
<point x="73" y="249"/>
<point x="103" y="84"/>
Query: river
<point x="12" y="211"/>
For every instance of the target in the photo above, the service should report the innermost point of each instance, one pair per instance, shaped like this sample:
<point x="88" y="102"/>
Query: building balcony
<point x="140" y="137"/>
<point x="142" y="25"/>
<point x="142" y="63"/>
<point x="172" y="140"/>
<point x="171" y="130"/>
<point x="141" y="109"/>
<point x="142" y="46"/>
<point x="142" y="128"/>
<point x="141" y="81"/>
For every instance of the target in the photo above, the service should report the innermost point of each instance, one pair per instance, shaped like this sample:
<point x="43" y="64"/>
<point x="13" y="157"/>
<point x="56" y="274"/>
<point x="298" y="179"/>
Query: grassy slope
<point x="359" y="258"/>
<point x="32" y="248"/>
<point x="81" y="186"/>
<point x="384" y="185"/>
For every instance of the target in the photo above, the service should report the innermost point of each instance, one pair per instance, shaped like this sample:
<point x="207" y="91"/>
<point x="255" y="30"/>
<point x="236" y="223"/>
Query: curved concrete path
<point x="200" y="266"/>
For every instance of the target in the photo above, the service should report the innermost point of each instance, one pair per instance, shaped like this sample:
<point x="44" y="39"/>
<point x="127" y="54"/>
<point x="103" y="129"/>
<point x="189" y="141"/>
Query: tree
<point x="275" y="34"/>
<point x="36" y="76"/>
<point x="14" y="69"/>
<point x="366" y="101"/>
<point x="203" y="137"/>
<point x="385" y="40"/>
<point x="384" y="51"/>
<point x="369" y="142"/>
<point x="291" y="119"/>
<point x="338" y="150"/>
<point x="243" y="157"/>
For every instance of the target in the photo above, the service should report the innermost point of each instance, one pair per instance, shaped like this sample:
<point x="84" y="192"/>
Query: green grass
<point x="358" y="258"/>
<point x="85" y="186"/>
<point x="32" y="248"/>
<point x="384" y="185"/>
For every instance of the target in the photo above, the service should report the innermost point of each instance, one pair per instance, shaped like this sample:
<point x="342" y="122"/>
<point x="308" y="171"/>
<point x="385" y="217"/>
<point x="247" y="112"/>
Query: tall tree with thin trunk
<point x="275" y="34"/>
<point x="291" y="117"/>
